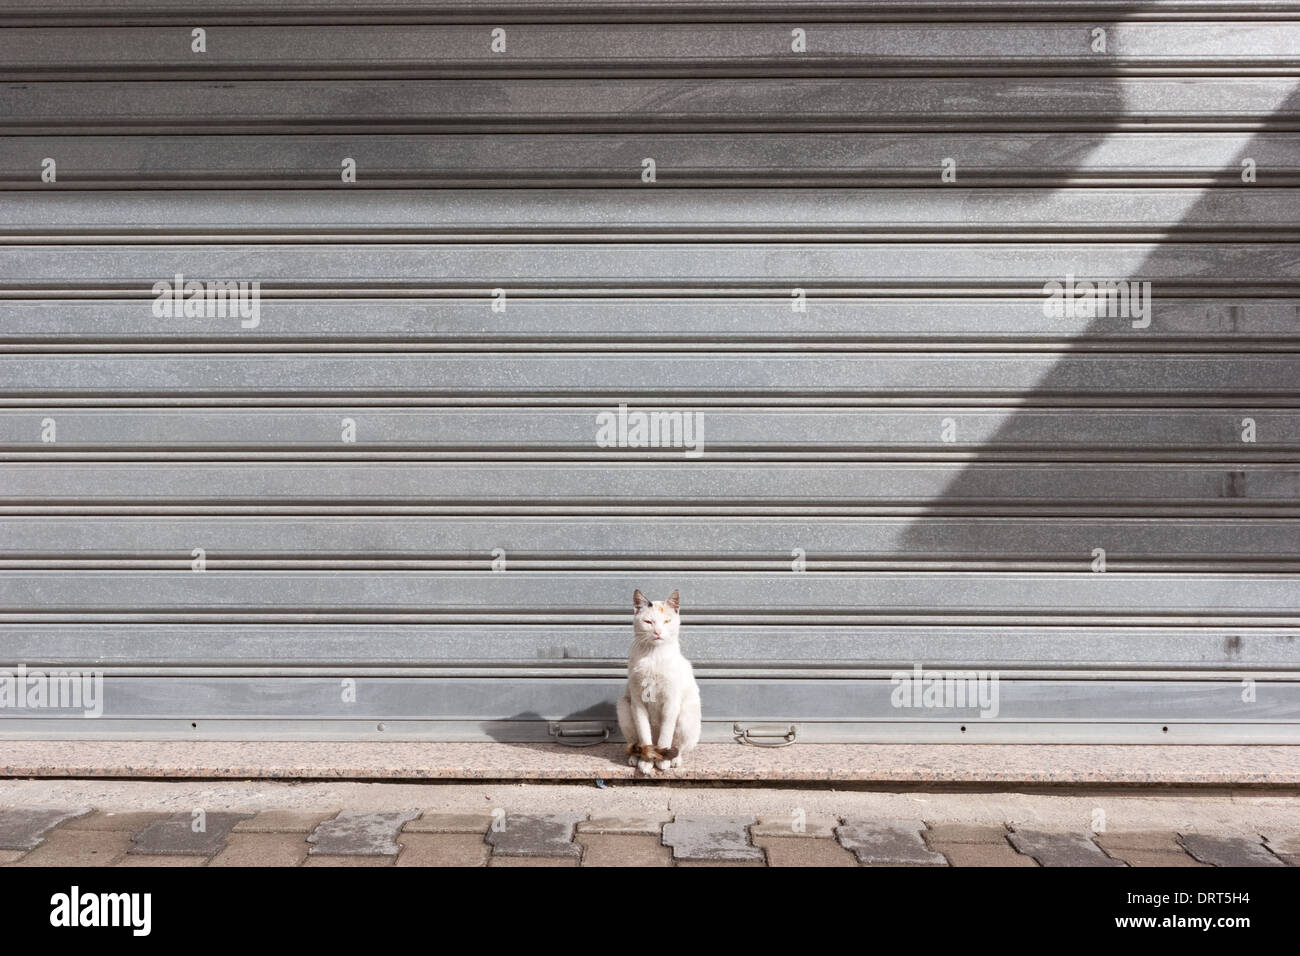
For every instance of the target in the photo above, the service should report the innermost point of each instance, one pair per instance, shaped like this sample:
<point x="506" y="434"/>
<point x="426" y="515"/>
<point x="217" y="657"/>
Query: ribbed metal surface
<point x="704" y="49"/>
<point x="492" y="215"/>
<point x="119" y="12"/>
<point x="757" y="105"/>
<point x="903" y="460"/>
<point x="695" y="323"/>
<point x="613" y="160"/>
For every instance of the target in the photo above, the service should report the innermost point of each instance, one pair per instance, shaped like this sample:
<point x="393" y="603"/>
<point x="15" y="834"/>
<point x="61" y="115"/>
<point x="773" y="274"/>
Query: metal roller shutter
<point x="834" y="271"/>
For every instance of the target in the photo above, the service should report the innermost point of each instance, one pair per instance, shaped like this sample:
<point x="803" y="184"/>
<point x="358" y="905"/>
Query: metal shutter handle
<point x="578" y="735"/>
<point x="766" y="735"/>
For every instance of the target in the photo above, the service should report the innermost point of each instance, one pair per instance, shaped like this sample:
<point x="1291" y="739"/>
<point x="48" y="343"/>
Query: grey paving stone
<point x="1061" y="849"/>
<point x="1228" y="851"/>
<point x="888" y="841"/>
<point x="11" y="856"/>
<point x="537" y="836"/>
<point x="352" y="833"/>
<point x="175" y="836"/>
<point x="23" y="828"/>
<point x="712" y="839"/>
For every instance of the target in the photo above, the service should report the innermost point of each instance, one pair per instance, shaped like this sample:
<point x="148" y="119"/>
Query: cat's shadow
<point x="507" y="732"/>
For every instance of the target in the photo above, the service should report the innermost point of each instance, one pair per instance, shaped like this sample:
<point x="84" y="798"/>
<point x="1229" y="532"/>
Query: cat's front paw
<point x="663" y="764"/>
<point x="645" y="766"/>
<point x="676" y="761"/>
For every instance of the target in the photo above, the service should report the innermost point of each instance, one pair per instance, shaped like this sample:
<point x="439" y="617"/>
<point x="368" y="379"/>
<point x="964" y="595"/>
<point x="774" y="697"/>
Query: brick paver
<point x="176" y="836"/>
<point x="263" y="849"/>
<point x="285" y="821"/>
<point x="888" y="841"/>
<point x="624" y="849"/>
<point x="965" y="833"/>
<point x="79" y="848"/>
<point x="1061" y="849"/>
<point x="443" y="849"/>
<point x="982" y="854"/>
<point x="43" y="836"/>
<point x="1160" y="841"/>
<point x="359" y="834"/>
<point x="450" y="823"/>
<point x="1229" y="851"/>
<point x="644" y="825"/>
<point x="540" y="836"/>
<point x="108" y="820"/>
<point x="1146" y="848"/>
<point x="721" y="863"/>
<point x="712" y="839"/>
<point x="533" y="861"/>
<point x="1286" y="846"/>
<point x="1155" y="858"/>
<point x="350" y="859"/>
<point x="142" y="859"/>
<point x="803" y="851"/>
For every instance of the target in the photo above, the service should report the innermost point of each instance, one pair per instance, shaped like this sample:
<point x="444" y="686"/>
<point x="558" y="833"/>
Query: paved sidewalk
<point x="260" y="824"/>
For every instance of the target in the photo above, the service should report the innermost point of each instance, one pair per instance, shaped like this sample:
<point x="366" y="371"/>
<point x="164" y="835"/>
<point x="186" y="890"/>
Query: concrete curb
<point x="991" y="764"/>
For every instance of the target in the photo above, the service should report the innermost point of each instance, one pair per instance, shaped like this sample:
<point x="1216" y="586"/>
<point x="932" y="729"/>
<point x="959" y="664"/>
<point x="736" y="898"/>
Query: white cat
<point x="660" y="713"/>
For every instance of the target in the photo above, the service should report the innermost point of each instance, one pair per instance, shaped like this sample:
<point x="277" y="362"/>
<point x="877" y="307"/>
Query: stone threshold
<point x="884" y="764"/>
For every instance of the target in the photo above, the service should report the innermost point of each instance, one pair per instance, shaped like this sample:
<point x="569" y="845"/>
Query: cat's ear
<point x="674" y="600"/>
<point x="639" y="600"/>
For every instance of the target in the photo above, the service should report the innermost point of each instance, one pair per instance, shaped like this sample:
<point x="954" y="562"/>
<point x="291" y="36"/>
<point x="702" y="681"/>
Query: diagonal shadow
<point x="969" y="484"/>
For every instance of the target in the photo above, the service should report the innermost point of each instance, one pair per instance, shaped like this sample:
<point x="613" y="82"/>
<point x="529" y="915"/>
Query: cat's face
<point x="655" y="623"/>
